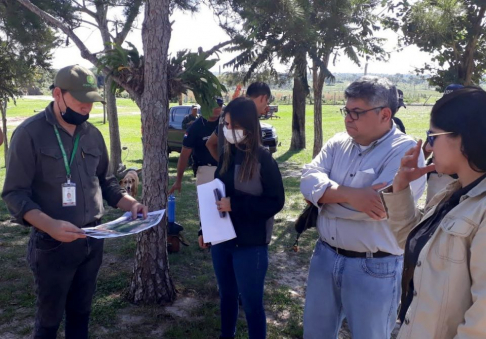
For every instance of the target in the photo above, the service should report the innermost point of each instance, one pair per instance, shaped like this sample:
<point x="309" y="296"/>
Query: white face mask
<point x="228" y="134"/>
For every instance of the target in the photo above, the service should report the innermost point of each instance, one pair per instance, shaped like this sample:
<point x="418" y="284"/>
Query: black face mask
<point x="71" y="116"/>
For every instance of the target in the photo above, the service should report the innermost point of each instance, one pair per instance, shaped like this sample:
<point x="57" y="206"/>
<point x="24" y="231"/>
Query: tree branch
<point x="84" y="9"/>
<point x="89" y="23"/>
<point x="134" y="10"/>
<point x="85" y="53"/>
<point x="218" y="47"/>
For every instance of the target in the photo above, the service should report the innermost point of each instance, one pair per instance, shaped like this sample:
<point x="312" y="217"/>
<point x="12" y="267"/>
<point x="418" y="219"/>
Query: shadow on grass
<point x="287" y="155"/>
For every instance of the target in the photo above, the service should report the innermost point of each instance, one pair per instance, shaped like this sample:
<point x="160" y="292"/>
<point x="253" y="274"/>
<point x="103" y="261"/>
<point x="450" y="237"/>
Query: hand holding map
<point x="124" y="225"/>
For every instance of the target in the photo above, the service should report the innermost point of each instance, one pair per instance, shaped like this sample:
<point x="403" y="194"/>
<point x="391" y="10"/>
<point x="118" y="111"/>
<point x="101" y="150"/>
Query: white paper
<point x="370" y="171"/>
<point x="215" y="229"/>
<point x="124" y="225"/>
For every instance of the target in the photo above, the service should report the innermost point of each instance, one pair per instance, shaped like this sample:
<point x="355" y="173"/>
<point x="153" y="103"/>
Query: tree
<point x="453" y="31"/>
<point x="146" y="79"/>
<point x="294" y="32"/>
<point x="113" y="30"/>
<point x="339" y="27"/>
<point x="25" y="45"/>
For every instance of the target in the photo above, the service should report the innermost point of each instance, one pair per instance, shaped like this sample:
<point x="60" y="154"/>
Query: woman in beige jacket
<point x="444" y="278"/>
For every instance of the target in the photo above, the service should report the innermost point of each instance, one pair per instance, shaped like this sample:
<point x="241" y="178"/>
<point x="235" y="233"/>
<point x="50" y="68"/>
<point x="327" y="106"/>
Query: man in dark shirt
<point x="398" y="121"/>
<point x="57" y="178"/>
<point x="190" y="118"/>
<point x="195" y="143"/>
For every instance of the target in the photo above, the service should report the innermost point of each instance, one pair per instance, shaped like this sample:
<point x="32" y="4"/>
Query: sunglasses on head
<point x="431" y="136"/>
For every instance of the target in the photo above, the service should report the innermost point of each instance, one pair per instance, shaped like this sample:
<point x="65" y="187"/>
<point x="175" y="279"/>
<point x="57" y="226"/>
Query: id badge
<point x="68" y="194"/>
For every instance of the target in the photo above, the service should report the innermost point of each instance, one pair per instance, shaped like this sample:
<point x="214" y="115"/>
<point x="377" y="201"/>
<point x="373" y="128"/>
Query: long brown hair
<point x="243" y="112"/>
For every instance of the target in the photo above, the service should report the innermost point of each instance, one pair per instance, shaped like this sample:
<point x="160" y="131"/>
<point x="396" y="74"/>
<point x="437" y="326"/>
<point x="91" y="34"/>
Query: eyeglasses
<point x="354" y="114"/>
<point x="431" y="136"/>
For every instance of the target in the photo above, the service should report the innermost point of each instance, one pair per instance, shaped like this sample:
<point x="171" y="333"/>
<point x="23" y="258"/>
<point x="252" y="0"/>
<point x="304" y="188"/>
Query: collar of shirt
<point x="376" y="142"/>
<point x="51" y="119"/>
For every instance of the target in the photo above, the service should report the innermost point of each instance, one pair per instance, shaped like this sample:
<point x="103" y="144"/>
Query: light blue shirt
<point x="342" y="162"/>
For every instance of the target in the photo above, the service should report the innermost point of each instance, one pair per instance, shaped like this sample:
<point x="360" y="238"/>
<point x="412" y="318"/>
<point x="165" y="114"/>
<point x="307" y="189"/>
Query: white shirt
<point x="342" y="162"/>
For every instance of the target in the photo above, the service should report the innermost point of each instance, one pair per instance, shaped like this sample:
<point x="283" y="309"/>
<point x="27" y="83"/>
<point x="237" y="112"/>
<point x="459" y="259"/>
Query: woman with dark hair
<point x="444" y="278"/>
<point x="254" y="194"/>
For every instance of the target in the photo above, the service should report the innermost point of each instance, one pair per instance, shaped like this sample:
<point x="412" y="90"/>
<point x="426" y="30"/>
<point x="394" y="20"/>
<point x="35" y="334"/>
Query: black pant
<point x="65" y="280"/>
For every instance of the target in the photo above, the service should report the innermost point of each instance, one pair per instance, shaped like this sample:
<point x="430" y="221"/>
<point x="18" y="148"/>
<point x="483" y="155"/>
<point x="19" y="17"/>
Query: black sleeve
<point x="110" y="188"/>
<point x="185" y="121"/>
<point x="273" y="196"/>
<point x="190" y="137"/>
<point x="17" y="188"/>
<point x="399" y="124"/>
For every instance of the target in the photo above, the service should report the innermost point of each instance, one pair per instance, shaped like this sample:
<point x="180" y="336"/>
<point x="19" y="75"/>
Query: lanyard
<point x="66" y="164"/>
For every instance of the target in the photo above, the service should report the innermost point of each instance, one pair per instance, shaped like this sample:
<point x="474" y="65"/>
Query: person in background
<point x="356" y="267"/>
<point x="194" y="144"/>
<point x="190" y="118"/>
<point x="254" y="194"/>
<point x="260" y="93"/>
<point x="398" y="121"/>
<point x="444" y="284"/>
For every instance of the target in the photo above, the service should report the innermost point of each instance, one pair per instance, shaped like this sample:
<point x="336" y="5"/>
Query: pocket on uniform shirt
<point x="363" y="179"/>
<point x="52" y="164"/>
<point x="91" y="159"/>
<point x="453" y="241"/>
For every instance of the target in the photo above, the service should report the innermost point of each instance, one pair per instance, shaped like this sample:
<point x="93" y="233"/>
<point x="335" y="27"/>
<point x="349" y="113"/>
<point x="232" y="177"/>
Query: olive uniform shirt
<point x="36" y="172"/>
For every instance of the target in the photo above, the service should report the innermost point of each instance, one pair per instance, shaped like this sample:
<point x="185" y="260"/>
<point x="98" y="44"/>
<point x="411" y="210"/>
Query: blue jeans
<point x="364" y="291"/>
<point x="65" y="280"/>
<point x="241" y="270"/>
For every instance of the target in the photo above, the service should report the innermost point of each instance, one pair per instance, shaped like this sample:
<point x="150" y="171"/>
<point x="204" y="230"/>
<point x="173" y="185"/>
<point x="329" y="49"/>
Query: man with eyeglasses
<point x="356" y="268"/>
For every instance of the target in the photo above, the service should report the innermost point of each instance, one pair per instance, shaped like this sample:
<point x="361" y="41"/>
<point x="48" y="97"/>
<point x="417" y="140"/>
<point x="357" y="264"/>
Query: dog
<point x="130" y="183"/>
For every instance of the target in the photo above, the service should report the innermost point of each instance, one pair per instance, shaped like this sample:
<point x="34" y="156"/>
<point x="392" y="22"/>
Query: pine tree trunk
<point x="3" y="108"/>
<point x="151" y="282"/>
<point x="298" y="115"/>
<point x="113" y="126"/>
<point x="110" y="98"/>
<point x="317" y="111"/>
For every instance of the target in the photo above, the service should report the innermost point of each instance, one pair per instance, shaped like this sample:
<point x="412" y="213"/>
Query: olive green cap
<point x="79" y="82"/>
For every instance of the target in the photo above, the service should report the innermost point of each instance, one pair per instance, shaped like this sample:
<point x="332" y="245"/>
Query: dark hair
<point x="52" y="87"/>
<point x="258" y="88"/>
<point x="463" y="113"/>
<point x="376" y="91"/>
<point x="243" y="112"/>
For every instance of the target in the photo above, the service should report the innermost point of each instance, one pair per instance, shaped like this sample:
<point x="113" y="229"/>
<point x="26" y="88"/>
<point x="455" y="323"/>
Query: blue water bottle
<point x="171" y="208"/>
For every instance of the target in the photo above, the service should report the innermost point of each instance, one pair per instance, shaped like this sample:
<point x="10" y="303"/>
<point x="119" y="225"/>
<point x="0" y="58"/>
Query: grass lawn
<point x="196" y="312"/>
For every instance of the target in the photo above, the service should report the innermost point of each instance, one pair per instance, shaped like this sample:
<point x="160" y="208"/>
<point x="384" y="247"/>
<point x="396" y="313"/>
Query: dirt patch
<point x="290" y="272"/>
<point x="182" y="307"/>
<point x="15" y="121"/>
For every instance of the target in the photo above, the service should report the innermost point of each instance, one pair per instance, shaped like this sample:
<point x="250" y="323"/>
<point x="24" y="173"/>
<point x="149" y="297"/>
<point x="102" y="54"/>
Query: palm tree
<point x="297" y="31"/>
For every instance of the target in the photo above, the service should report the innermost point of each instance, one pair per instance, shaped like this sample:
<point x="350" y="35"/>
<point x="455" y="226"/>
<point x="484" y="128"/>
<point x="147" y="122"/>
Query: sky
<point x="201" y="29"/>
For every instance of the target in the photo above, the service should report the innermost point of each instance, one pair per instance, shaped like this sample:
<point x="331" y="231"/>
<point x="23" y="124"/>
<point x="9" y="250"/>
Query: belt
<point x="353" y="254"/>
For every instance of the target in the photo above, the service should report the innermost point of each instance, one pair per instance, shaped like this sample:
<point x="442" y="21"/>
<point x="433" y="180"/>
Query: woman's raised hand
<point x="409" y="169"/>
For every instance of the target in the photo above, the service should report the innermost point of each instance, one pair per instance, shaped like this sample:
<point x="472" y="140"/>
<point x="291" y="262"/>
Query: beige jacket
<point x="450" y="276"/>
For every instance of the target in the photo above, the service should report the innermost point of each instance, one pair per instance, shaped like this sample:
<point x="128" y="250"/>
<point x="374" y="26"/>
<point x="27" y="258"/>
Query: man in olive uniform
<point x="57" y="178"/>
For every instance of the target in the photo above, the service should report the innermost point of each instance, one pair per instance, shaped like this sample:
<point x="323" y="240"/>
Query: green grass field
<point x="196" y="313"/>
